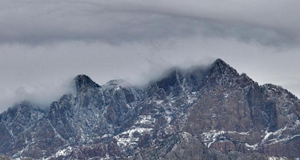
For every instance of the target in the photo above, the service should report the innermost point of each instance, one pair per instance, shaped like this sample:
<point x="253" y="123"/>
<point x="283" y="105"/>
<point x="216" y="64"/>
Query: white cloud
<point x="44" y="44"/>
<point x="117" y="22"/>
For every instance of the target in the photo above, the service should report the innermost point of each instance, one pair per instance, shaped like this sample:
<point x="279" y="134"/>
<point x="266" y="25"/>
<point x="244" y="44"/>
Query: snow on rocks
<point x="128" y="138"/>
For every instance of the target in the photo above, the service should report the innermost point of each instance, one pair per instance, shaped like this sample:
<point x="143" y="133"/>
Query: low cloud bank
<point x="41" y="94"/>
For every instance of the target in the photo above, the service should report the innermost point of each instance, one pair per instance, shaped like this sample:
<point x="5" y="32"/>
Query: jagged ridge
<point x="224" y="114"/>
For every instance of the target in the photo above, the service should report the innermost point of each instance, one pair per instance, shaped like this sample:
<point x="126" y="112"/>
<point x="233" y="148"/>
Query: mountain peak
<point x="220" y="62"/>
<point x="115" y="83"/>
<point x="221" y="67"/>
<point x="83" y="81"/>
<point x="212" y="109"/>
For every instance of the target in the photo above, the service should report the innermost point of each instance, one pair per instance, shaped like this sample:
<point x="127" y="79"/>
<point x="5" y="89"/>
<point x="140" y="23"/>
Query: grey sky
<point x="44" y="44"/>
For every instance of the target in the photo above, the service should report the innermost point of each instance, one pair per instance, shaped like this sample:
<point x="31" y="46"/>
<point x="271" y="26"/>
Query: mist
<point x="44" y="45"/>
<point x="41" y="95"/>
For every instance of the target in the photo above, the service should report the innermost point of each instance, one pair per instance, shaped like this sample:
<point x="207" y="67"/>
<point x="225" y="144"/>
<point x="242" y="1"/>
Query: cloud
<point x="44" y="44"/>
<point x="133" y="21"/>
<point x="42" y="94"/>
<point x="41" y="73"/>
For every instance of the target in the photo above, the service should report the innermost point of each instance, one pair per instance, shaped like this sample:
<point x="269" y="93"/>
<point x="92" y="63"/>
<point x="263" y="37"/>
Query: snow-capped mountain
<point x="201" y="113"/>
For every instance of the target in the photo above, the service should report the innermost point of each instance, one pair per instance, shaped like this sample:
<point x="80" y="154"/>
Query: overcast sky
<point x="45" y="44"/>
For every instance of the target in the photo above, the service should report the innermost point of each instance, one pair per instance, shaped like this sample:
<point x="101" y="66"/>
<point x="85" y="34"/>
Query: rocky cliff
<point x="200" y="113"/>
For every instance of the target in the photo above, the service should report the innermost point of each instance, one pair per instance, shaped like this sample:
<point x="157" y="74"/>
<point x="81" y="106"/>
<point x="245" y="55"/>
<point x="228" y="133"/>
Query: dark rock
<point x="83" y="82"/>
<point x="201" y="113"/>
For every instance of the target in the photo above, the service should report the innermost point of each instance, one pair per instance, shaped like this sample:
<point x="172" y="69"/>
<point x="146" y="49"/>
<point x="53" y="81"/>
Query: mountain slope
<point x="201" y="113"/>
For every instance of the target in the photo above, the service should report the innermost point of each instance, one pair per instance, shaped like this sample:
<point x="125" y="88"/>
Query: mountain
<point x="201" y="113"/>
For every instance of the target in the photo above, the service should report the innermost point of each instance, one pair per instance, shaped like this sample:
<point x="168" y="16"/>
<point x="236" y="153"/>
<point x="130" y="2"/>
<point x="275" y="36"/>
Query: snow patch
<point x="210" y="137"/>
<point x="278" y="134"/>
<point x="126" y="138"/>
<point x="277" y="158"/>
<point x="252" y="147"/>
<point x="159" y="102"/>
<point x="64" y="152"/>
<point x="145" y="119"/>
<point x="191" y="98"/>
<point x="106" y="135"/>
<point x="226" y="95"/>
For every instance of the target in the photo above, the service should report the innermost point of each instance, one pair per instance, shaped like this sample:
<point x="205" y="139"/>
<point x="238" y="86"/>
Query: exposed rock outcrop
<point x="201" y="113"/>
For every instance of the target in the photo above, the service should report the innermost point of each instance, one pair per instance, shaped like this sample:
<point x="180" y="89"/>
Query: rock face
<point x="201" y="113"/>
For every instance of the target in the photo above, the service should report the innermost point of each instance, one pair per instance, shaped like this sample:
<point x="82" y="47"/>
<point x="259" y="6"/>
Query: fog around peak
<point x="45" y="44"/>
